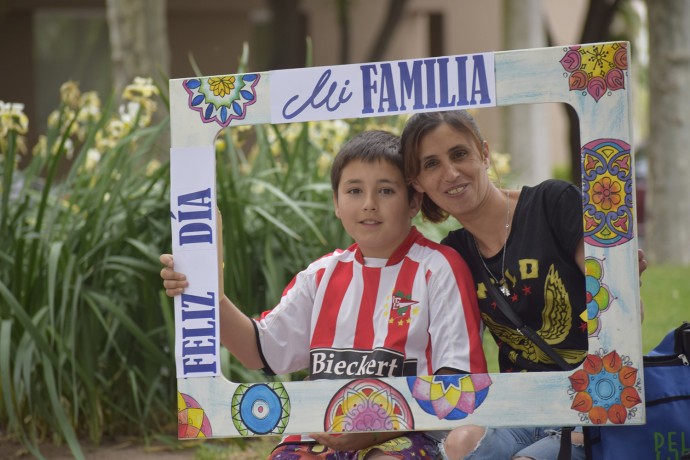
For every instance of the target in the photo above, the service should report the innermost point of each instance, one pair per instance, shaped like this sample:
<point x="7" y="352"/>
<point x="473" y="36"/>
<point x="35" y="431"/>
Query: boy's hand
<point x="173" y="282"/>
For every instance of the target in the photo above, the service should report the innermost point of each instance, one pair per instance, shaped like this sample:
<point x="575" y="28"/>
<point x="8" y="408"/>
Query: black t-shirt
<point x="546" y="284"/>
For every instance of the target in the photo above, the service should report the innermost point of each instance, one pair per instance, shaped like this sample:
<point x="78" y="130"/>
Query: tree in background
<point x="596" y="28"/>
<point x="668" y="223"/>
<point x="138" y="40"/>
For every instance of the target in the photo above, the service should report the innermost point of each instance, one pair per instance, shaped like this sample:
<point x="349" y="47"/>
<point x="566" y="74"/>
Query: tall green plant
<point x="83" y="325"/>
<point x="86" y="332"/>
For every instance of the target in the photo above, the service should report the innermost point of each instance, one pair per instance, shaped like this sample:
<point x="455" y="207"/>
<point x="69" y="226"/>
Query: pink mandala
<point x="596" y="69"/>
<point x="368" y="405"/>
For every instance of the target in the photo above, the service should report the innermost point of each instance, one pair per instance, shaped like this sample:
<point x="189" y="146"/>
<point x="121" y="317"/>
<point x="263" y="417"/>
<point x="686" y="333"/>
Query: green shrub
<point x="85" y="336"/>
<point x="86" y="332"/>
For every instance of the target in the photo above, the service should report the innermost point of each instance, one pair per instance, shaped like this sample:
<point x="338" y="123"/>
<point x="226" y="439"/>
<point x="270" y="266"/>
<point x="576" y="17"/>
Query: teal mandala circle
<point x="262" y="408"/>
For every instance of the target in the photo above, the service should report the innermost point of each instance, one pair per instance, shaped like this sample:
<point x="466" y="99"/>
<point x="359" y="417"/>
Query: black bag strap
<point x="520" y="325"/>
<point x="502" y="304"/>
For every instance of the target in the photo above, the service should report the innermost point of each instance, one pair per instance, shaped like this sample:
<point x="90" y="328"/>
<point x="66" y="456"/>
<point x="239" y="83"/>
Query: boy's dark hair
<point x="417" y="127"/>
<point x="368" y="146"/>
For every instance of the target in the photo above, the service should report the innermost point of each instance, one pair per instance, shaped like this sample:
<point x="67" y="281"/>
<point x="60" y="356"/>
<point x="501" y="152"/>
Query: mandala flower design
<point x="450" y="397"/>
<point x="605" y="389"/>
<point x="222" y="99"/>
<point x="262" y="408"/>
<point x="192" y="421"/>
<point x="596" y="69"/>
<point x="220" y="86"/>
<point x="607" y="192"/>
<point x="598" y="296"/>
<point x="368" y="405"/>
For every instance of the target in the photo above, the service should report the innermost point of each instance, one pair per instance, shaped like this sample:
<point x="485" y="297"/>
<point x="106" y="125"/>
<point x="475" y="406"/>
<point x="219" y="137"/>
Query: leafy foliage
<point x="86" y="331"/>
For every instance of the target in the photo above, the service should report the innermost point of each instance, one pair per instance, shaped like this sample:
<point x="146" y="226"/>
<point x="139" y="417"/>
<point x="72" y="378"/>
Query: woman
<point x="528" y="242"/>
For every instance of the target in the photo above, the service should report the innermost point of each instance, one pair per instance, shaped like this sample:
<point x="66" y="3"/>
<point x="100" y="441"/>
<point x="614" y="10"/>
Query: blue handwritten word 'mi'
<point x="321" y="95"/>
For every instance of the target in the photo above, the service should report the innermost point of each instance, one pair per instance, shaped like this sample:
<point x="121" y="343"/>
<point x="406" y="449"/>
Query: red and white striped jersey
<point x="347" y="317"/>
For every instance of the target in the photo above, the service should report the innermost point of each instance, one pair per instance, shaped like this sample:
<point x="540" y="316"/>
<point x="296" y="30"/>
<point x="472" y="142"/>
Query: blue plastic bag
<point x="666" y="435"/>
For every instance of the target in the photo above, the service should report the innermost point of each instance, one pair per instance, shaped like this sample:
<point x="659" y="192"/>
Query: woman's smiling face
<point x="453" y="170"/>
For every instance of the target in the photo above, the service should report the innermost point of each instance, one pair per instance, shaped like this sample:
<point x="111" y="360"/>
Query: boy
<point x="395" y="300"/>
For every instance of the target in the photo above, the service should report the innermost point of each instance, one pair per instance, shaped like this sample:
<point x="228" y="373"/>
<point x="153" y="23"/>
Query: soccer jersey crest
<point x="401" y="306"/>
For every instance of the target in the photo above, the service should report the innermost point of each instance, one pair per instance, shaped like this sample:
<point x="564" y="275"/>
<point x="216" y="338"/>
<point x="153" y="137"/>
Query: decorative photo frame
<point x="606" y="389"/>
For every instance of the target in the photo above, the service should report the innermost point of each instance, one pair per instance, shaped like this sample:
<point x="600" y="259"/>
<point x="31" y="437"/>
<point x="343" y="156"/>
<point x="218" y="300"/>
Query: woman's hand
<point x="641" y="262"/>
<point x="173" y="282"/>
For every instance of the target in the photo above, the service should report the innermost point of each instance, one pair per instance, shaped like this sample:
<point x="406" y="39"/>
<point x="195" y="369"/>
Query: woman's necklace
<point x="503" y="283"/>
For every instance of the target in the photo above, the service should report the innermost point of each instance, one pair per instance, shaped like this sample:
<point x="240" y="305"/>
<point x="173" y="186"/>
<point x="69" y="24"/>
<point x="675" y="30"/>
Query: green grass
<point x="665" y="293"/>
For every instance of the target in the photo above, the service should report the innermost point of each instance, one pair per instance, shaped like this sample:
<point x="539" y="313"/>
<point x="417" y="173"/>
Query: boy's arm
<point x="238" y="335"/>
<point x="237" y="331"/>
<point x="454" y="319"/>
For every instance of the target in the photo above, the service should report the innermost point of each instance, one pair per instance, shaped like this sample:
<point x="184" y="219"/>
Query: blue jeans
<point x="537" y="443"/>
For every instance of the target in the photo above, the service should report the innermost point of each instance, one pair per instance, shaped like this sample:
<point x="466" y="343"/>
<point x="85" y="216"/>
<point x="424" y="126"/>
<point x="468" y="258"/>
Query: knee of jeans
<point x="577" y="438"/>
<point x="462" y="442"/>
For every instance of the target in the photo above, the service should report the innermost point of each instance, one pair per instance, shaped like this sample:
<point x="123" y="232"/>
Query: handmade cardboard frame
<point x="606" y="389"/>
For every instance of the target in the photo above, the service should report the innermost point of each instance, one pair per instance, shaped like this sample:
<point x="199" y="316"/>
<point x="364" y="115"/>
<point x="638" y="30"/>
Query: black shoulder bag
<point x="522" y="328"/>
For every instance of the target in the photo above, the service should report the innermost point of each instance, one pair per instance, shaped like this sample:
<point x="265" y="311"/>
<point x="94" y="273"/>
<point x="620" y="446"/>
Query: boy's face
<point x="373" y="205"/>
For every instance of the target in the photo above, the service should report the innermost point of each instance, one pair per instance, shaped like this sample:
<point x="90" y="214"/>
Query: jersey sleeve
<point x="454" y="322"/>
<point x="284" y="332"/>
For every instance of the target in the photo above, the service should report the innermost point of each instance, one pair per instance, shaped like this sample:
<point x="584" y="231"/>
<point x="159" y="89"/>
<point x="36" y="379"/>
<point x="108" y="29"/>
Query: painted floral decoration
<point x="596" y="69"/>
<point x="450" y="397"/>
<point x="192" y="421"/>
<point x="605" y="389"/>
<point x="607" y="187"/>
<point x="597" y="295"/>
<point x="222" y="99"/>
<point x="368" y="405"/>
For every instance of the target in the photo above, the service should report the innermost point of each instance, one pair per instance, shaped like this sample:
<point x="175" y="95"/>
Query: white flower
<point x="93" y="156"/>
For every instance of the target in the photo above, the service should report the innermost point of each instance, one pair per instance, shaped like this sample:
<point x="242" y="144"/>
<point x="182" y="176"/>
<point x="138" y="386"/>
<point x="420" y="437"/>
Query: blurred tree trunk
<point x="287" y="35"/>
<point x="667" y="207"/>
<point x="396" y="8"/>
<point x="600" y="15"/>
<point x="138" y="40"/>
<point x="343" y="7"/>
<point x="523" y="134"/>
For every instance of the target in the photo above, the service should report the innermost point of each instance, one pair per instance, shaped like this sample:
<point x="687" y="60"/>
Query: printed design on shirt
<point x="606" y="388"/>
<point x="367" y="405"/>
<point x="556" y="324"/>
<point x="401" y="309"/>
<point x="222" y="99"/>
<point x="450" y="397"/>
<point x="607" y="188"/>
<point x="598" y="297"/>
<point x="192" y="421"/>
<point x="596" y="69"/>
<point x="262" y="408"/>
<point x="337" y="363"/>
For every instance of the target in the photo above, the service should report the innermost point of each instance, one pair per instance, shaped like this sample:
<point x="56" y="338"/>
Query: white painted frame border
<point x="205" y="402"/>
